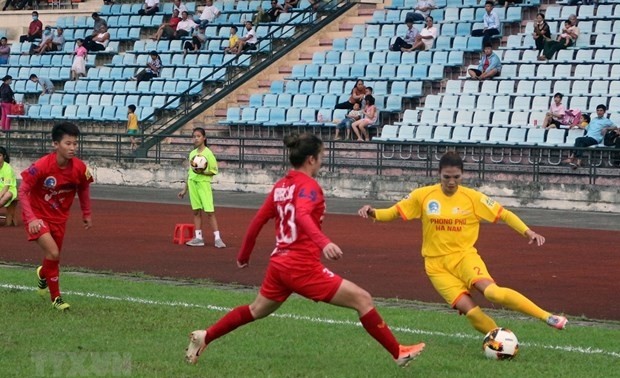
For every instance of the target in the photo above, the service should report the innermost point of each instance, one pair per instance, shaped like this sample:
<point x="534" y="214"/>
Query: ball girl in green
<point x="198" y="185"/>
<point x="8" y="188"/>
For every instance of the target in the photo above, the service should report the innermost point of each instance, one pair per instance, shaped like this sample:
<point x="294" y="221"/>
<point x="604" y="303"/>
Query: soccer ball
<point x="500" y="344"/>
<point x="199" y="163"/>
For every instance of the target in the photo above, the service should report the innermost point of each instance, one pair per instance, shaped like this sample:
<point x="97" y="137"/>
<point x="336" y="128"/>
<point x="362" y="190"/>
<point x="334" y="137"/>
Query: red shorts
<point x="318" y="283"/>
<point x="56" y="230"/>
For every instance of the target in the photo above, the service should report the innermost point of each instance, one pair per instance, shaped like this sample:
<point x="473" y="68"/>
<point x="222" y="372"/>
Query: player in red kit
<point x="46" y="193"/>
<point x="297" y="204"/>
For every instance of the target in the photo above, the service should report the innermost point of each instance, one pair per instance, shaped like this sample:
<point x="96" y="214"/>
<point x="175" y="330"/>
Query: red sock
<point x="231" y="321"/>
<point x="50" y="272"/>
<point x="376" y="327"/>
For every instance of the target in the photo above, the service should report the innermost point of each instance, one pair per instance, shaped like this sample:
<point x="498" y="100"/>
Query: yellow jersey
<point x="450" y="224"/>
<point x="232" y="40"/>
<point x="132" y="121"/>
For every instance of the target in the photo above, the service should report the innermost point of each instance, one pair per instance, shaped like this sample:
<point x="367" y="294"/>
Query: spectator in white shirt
<point x="249" y="41"/>
<point x="178" y="5"/>
<point x="491" y="25"/>
<point x="425" y="39"/>
<point x="150" y="7"/>
<point x="421" y="11"/>
<point x="209" y="13"/>
<point x="185" y="26"/>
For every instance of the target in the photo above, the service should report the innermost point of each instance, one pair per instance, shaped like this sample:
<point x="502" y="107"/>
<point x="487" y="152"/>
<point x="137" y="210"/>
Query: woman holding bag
<point x="7" y="99"/>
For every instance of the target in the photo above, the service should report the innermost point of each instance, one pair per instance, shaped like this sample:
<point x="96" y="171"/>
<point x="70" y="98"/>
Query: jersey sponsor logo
<point x="312" y="195"/>
<point x="487" y="201"/>
<point x="49" y="182"/>
<point x="433" y="207"/>
<point x="283" y="194"/>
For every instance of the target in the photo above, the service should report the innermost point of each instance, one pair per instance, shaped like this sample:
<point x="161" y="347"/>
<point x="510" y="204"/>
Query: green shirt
<point x="7" y="177"/>
<point x="212" y="166"/>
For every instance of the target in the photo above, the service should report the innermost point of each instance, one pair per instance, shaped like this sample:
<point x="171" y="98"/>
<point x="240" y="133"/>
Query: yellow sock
<point x="480" y="321"/>
<point x="515" y="301"/>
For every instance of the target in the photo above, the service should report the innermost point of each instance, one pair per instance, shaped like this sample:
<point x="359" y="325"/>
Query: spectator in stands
<point x="7" y="99"/>
<point x="185" y="26"/>
<point x="249" y="41"/>
<point x="99" y="24"/>
<point x="289" y="5"/>
<point x="585" y="121"/>
<point x="46" y="37"/>
<point x="491" y="24"/>
<point x="489" y="66"/>
<point x="551" y="47"/>
<point x="233" y="42"/>
<point x="56" y="42"/>
<point x="541" y="32"/>
<point x="153" y="68"/>
<point x="426" y="38"/>
<point x="150" y="7"/>
<point x="360" y="127"/>
<point x="275" y="10"/>
<point x="406" y="43"/>
<point x="132" y="126"/>
<point x="198" y="40"/>
<point x="78" y="68"/>
<point x="421" y="11"/>
<point x="47" y="87"/>
<point x="553" y="118"/>
<point x="209" y="13"/>
<point x="5" y="51"/>
<point x="594" y="135"/>
<point x="35" y="30"/>
<point x="179" y="6"/>
<point x="357" y="95"/>
<point x="354" y="114"/>
<point x="167" y="29"/>
<point x="99" y="42"/>
<point x="612" y="139"/>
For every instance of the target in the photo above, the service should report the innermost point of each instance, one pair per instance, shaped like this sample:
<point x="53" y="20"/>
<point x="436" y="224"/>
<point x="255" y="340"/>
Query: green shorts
<point x="200" y="195"/>
<point x="132" y="132"/>
<point x="13" y="197"/>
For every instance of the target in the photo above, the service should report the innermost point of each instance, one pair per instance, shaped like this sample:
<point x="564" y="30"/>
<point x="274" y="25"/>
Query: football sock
<point x="216" y="234"/>
<point x="514" y="301"/>
<point x="198" y="234"/>
<point x="376" y="327"/>
<point x="235" y="318"/>
<point x="50" y="273"/>
<point x="480" y="321"/>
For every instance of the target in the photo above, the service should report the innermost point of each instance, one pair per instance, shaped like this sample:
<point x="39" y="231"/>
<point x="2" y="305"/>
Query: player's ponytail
<point x="5" y="154"/>
<point x="302" y="146"/>
<point x="201" y="131"/>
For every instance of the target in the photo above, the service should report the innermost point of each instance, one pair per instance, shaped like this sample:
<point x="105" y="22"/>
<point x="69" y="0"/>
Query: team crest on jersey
<point x="433" y="207"/>
<point x="50" y="182"/>
<point x="487" y="201"/>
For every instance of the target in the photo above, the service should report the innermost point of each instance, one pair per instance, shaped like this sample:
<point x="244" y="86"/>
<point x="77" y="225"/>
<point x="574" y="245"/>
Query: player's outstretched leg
<point x="408" y="353"/>
<point x="42" y="288"/>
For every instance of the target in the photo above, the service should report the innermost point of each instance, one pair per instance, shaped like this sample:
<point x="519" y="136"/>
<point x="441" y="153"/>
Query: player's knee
<point x="364" y="300"/>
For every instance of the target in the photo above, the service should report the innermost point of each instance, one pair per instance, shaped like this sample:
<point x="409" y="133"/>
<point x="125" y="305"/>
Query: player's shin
<point x="376" y="327"/>
<point x="480" y="321"/>
<point x="515" y="301"/>
<point x="235" y="318"/>
<point x="51" y="273"/>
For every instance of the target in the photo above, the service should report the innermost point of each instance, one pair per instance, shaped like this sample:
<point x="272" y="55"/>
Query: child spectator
<point x="78" y="68"/>
<point x="153" y="67"/>
<point x="565" y="38"/>
<point x="46" y="193"/>
<point x="8" y="188"/>
<point x="233" y="41"/>
<point x="555" y="115"/>
<point x="5" y="51"/>
<point x="489" y="66"/>
<point x="354" y="115"/>
<point x="132" y="126"/>
<point x="360" y="127"/>
<point x="585" y="121"/>
<point x="199" y="186"/>
<point x="7" y="99"/>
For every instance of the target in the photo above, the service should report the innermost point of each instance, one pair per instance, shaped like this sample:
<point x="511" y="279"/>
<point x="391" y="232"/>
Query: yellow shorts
<point x="200" y="195"/>
<point x="454" y="275"/>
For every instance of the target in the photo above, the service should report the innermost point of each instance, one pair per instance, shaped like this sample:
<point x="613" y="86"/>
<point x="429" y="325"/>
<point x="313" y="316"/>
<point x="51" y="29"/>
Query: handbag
<point x="18" y="109"/>
<point x="610" y="138"/>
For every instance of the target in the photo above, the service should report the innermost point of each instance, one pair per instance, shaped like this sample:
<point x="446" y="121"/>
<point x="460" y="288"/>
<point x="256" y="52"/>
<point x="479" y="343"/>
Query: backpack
<point x="572" y="117"/>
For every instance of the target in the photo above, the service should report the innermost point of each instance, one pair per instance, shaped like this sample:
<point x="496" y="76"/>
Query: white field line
<point x="574" y="349"/>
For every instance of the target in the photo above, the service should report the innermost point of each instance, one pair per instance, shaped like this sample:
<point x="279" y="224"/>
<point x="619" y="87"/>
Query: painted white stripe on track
<point x="573" y="349"/>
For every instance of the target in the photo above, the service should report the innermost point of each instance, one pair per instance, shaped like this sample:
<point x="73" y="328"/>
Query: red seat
<point x="183" y="233"/>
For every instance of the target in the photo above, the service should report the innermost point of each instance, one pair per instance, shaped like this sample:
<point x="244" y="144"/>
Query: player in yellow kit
<point x="451" y="215"/>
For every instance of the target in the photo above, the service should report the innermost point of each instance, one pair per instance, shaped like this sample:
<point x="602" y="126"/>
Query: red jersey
<point x="47" y="190"/>
<point x="298" y="206"/>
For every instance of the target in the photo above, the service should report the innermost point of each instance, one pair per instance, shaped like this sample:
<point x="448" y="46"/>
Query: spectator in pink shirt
<point x="556" y="112"/>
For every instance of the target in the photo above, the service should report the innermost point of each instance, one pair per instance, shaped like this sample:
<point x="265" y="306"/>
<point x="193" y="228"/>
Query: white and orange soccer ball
<point x="500" y="344"/>
<point x="199" y="163"/>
